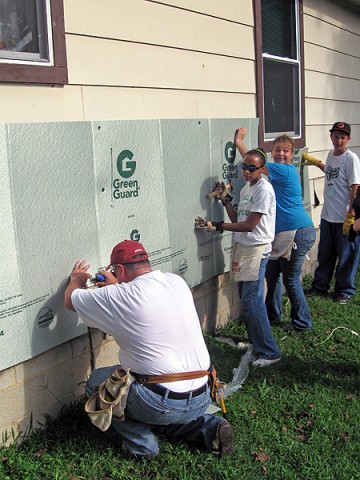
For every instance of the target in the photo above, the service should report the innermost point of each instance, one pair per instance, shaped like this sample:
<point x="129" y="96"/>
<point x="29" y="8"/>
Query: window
<point x="32" y="42"/>
<point x="279" y="65"/>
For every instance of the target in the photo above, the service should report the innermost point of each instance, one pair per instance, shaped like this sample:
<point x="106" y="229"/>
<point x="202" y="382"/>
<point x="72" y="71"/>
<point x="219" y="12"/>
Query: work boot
<point x="223" y="444"/>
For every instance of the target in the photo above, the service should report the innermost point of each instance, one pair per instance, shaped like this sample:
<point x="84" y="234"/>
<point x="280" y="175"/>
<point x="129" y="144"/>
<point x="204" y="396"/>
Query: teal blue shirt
<point x="290" y="213"/>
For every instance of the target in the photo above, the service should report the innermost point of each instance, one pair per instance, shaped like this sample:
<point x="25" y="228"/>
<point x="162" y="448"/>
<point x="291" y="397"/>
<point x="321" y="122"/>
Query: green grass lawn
<point x="298" y="419"/>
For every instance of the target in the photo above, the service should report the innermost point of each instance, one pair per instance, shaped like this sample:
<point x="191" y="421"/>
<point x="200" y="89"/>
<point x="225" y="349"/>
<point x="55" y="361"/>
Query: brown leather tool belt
<point x="170" y="377"/>
<point x="151" y="382"/>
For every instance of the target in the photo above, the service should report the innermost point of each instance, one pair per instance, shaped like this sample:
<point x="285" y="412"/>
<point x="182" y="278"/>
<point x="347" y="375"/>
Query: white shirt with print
<point x="258" y="198"/>
<point x="341" y="172"/>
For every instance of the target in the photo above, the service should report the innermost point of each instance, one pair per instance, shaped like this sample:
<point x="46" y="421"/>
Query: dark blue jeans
<point x="336" y="254"/>
<point x="256" y="319"/>
<point x="146" y="410"/>
<point x="289" y="272"/>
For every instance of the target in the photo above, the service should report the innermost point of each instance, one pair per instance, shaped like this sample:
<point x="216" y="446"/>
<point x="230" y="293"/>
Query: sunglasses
<point x="251" y="168"/>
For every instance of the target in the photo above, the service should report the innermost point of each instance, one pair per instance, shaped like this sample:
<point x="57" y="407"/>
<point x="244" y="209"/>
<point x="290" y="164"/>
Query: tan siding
<point x="331" y="62"/>
<point x="126" y="103"/>
<point x="331" y="36"/>
<point x="333" y="13"/>
<point x="134" y="65"/>
<point x="320" y="85"/>
<point x="318" y="138"/>
<point x="40" y="104"/>
<point x="332" y="80"/>
<point x="187" y="47"/>
<point x="220" y="8"/>
<point x="321" y="111"/>
<point x="112" y="103"/>
<point x="147" y="22"/>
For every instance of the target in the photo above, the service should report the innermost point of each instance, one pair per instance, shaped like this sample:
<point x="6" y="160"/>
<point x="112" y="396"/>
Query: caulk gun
<point x="91" y="283"/>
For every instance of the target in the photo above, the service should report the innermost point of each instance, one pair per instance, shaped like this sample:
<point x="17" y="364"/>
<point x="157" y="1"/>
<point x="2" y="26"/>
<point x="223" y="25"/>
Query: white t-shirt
<point x="341" y="172"/>
<point x="154" y="322"/>
<point x="258" y="198"/>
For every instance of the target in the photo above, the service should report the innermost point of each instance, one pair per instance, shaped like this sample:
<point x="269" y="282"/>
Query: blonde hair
<point x="284" y="139"/>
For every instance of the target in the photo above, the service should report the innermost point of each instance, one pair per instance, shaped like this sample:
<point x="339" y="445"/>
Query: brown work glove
<point x="203" y="224"/>
<point x="221" y="191"/>
<point x="349" y="220"/>
<point x="307" y="159"/>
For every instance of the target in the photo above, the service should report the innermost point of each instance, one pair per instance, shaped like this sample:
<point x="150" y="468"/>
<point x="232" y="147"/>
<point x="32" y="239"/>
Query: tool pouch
<point x="110" y="399"/>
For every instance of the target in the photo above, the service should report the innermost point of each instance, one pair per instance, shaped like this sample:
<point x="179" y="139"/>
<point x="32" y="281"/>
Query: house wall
<point x="139" y="59"/>
<point x="332" y="82"/>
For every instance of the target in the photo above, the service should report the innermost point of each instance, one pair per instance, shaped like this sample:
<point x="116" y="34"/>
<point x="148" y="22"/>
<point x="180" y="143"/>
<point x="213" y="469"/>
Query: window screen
<point x="24" y="35"/>
<point x="281" y="67"/>
<point x="279" y="28"/>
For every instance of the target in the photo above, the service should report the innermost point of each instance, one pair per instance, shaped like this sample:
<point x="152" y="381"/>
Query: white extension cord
<point x="327" y="338"/>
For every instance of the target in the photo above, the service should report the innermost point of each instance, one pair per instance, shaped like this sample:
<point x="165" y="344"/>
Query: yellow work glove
<point x="349" y="220"/>
<point x="307" y="159"/>
<point x="221" y="191"/>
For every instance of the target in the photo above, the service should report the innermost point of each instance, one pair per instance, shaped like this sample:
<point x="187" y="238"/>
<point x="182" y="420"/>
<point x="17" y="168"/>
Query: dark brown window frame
<point x="39" y="74"/>
<point x="267" y="144"/>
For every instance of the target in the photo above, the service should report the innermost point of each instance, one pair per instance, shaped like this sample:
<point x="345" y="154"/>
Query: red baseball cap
<point x="127" y="251"/>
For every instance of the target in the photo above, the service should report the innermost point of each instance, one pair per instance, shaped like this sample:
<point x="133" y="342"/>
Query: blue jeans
<point x="334" y="247"/>
<point x="146" y="411"/>
<point x="256" y="319"/>
<point x="289" y="272"/>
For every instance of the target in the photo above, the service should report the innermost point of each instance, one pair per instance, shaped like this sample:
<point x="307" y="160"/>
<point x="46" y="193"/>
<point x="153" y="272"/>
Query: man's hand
<point x="349" y="220"/>
<point x="208" y="225"/>
<point x="78" y="277"/>
<point x="79" y="273"/>
<point x="110" y="279"/>
<point x="221" y="191"/>
<point x="307" y="159"/>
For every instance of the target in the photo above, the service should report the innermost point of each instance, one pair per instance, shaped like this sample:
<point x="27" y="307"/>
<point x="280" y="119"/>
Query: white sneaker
<point x="264" y="362"/>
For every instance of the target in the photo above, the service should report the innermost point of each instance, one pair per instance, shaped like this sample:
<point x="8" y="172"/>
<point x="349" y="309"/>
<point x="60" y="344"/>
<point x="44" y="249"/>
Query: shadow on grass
<point x="291" y="370"/>
<point x="316" y="371"/>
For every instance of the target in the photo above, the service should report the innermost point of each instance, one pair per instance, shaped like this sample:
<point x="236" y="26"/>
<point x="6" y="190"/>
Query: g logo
<point x="126" y="167"/>
<point x="135" y="235"/>
<point x="230" y="152"/>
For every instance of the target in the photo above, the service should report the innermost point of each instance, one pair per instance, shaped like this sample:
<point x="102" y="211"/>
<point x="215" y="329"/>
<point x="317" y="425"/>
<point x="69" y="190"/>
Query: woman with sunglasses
<point x="254" y="228"/>
<point x="295" y="235"/>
